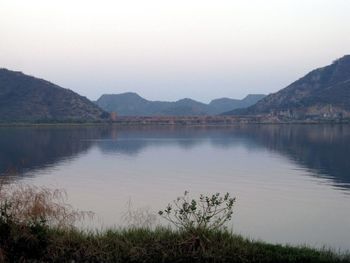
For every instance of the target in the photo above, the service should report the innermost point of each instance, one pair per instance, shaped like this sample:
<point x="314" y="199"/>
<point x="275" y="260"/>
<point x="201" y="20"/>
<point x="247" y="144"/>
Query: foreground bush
<point x="207" y="213"/>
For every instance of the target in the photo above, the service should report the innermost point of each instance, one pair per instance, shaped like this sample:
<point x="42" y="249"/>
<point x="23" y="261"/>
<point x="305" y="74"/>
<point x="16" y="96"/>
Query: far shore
<point x="179" y="121"/>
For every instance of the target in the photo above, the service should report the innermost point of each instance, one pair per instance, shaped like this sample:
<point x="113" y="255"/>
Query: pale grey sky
<point x="167" y="50"/>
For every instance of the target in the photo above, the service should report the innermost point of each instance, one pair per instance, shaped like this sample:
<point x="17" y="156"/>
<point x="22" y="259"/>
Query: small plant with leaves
<point x="207" y="213"/>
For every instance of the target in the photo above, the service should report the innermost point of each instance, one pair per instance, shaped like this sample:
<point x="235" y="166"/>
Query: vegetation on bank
<point x="44" y="244"/>
<point x="52" y="122"/>
<point x="192" y="121"/>
<point x="36" y="225"/>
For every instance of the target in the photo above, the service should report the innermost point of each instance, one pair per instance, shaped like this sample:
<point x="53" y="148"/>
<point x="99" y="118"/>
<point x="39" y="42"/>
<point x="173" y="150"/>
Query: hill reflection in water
<point x="324" y="149"/>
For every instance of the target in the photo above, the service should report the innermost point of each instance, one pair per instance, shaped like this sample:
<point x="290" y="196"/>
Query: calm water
<point x="292" y="182"/>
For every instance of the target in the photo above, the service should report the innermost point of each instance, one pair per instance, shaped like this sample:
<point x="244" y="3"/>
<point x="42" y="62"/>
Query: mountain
<point x="185" y="107"/>
<point x="26" y="98"/>
<point x="225" y="104"/>
<point x="131" y="104"/>
<point x="324" y="92"/>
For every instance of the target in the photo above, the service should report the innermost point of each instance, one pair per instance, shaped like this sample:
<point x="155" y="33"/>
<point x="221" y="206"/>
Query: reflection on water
<point x="322" y="148"/>
<point x="24" y="149"/>
<point x="292" y="181"/>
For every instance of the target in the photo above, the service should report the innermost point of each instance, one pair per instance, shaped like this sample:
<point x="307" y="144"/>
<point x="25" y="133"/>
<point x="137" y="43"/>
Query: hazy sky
<point x="170" y="49"/>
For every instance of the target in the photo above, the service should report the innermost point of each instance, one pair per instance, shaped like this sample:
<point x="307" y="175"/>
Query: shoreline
<point x="202" y="121"/>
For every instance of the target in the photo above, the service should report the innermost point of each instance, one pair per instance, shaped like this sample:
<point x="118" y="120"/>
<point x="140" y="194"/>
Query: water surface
<point x="292" y="182"/>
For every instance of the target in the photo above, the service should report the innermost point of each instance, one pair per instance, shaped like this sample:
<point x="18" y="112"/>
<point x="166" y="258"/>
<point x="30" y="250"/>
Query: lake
<point x="292" y="182"/>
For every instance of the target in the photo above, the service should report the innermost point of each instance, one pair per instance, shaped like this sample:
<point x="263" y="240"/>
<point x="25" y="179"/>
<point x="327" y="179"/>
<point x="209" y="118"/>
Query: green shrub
<point x="206" y="213"/>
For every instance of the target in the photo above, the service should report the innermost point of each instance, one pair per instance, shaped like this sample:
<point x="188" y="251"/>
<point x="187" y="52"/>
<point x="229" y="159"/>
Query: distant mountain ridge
<point x="324" y="92"/>
<point x="132" y="104"/>
<point x="26" y="98"/>
<point x="224" y="104"/>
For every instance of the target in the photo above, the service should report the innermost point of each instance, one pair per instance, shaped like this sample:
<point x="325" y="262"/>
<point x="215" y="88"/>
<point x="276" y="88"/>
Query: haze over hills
<point x="26" y="98"/>
<point x="132" y="104"/>
<point x="324" y="92"/>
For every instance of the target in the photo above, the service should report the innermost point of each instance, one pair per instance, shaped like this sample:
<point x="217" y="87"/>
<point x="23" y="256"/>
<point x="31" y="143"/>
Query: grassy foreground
<point x="36" y="225"/>
<point x="38" y="243"/>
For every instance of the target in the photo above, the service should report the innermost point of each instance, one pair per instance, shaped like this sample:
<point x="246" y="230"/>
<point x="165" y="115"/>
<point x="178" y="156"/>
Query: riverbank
<point x="219" y="120"/>
<point x="36" y="225"/>
<point x="43" y="244"/>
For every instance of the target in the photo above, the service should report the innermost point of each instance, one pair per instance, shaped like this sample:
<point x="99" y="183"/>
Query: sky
<point x="168" y="50"/>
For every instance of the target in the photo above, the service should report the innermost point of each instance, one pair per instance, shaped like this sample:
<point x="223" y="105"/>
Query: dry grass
<point x="141" y="217"/>
<point x="29" y="204"/>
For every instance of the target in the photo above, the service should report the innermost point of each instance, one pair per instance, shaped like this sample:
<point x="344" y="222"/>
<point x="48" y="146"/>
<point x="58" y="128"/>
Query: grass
<point x="43" y="244"/>
<point x="37" y="226"/>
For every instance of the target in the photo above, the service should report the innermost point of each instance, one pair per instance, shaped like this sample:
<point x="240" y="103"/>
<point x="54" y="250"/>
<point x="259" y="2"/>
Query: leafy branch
<point x="207" y="213"/>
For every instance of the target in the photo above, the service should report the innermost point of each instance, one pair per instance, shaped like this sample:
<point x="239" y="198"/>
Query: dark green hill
<point x="26" y="98"/>
<point x="324" y="92"/>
